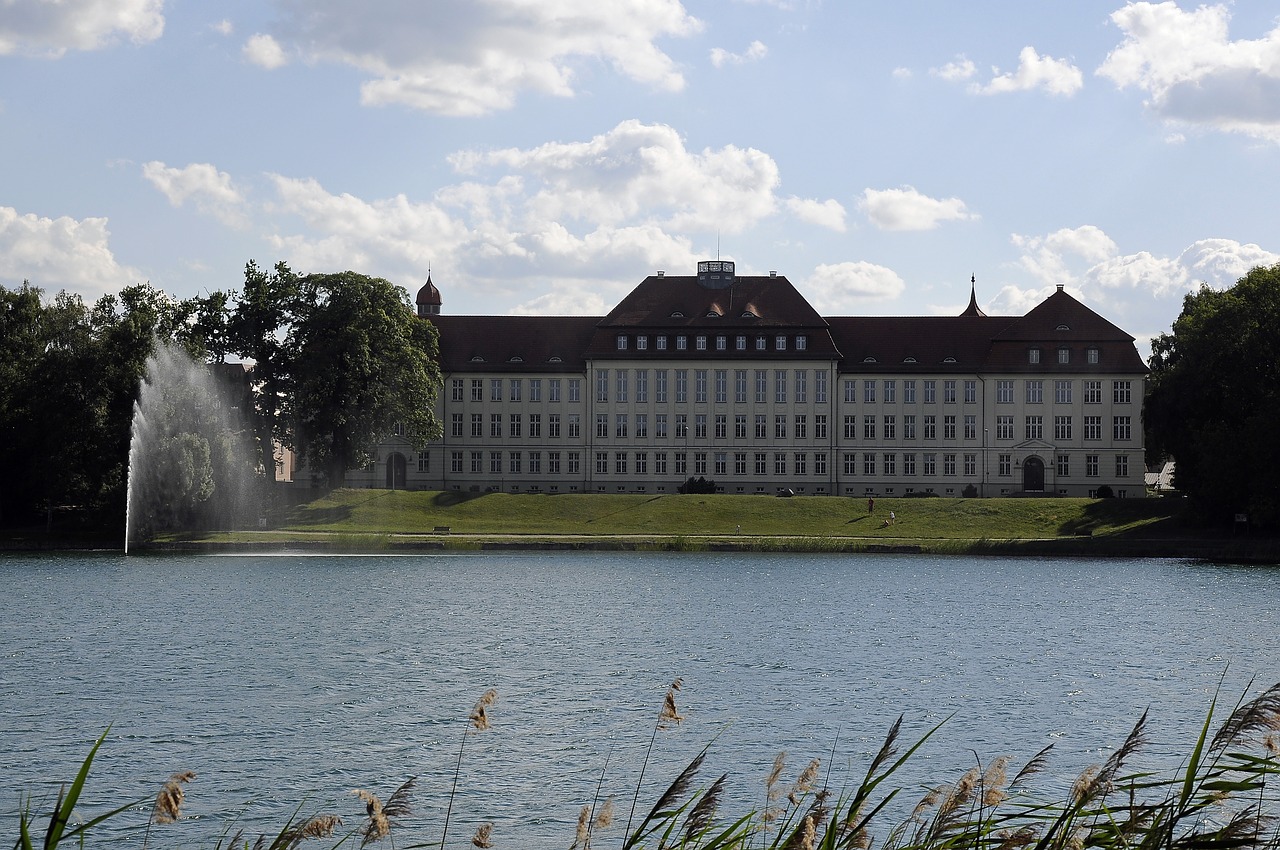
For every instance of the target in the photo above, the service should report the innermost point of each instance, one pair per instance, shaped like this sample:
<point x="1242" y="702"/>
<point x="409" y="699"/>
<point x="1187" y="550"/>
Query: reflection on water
<point x="287" y="680"/>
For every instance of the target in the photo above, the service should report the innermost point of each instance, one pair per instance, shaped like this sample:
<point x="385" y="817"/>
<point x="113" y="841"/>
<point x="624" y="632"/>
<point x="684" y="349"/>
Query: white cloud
<point x="1193" y="73"/>
<point x="578" y="298"/>
<point x="264" y="51"/>
<point x="838" y="288"/>
<point x="754" y="53"/>
<point x="639" y="171"/>
<point x="223" y="27"/>
<point x="829" y="213"/>
<point x="209" y="189"/>
<point x="1055" y="76"/>
<point x="1087" y="260"/>
<point x="459" y="57"/>
<point x="960" y="69"/>
<point x="907" y="209"/>
<point x="60" y="253"/>
<point x="902" y="73"/>
<point x="43" y="28"/>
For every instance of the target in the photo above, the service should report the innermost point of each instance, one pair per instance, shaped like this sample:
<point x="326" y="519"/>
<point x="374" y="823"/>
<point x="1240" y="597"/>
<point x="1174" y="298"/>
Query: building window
<point x="553" y="387"/>
<point x="514" y="458"/>
<point x="868" y="427"/>
<point x="1093" y="427"/>
<point x="660" y="463"/>
<point x="700" y="426"/>
<point x="1121" y="392"/>
<point x="1035" y="392"/>
<point x="477" y="424"/>
<point x="868" y="463"/>
<point x="553" y="425"/>
<point x="760" y="343"/>
<point x="642" y="343"/>
<point x="700" y="386"/>
<point x="682" y="342"/>
<point x="721" y="463"/>
<point x="909" y="463"/>
<point x="948" y="464"/>
<point x="802" y="342"/>
<point x="1091" y="355"/>
<point x="622" y="385"/>
<point x="780" y="343"/>
<point x="424" y="461"/>
<point x="477" y="389"/>
<point x="1093" y="392"/>
<point x="890" y="464"/>
<point x="1122" y="428"/>
<point x="948" y="392"/>
<point x="553" y="463"/>
<point x="762" y="430"/>
<point x="1064" y="355"/>
<point x="575" y="390"/>
<point x="779" y="463"/>
<point x="535" y="389"/>
<point x="930" y="392"/>
<point x="515" y="425"/>
<point x="622" y="342"/>
<point x="909" y="426"/>
<point x="802" y="386"/>
<point x="1122" y="466"/>
<point x="1062" y="392"/>
<point x="930" y="427"/>
<point x="495" y="463"/>
<point x="660" y="426"/>
<point x="762" y="385"/>
<point x="801" y="462"/>
<point x="780" y="427"/>
<point x="722" y="426"/>
<point x="495" y="389"/>
<point x="575" y="426"/>
<point x="700" y="342"/>
<point x="820" y="463"/>
<point x="739" y="463"/>
<point x="802" y="427"/>
<point x="602" y="463"/>
<point x="850" y="463"/>
<point x="455" y="389"/>
<point x="948" y="427"/>
<point x="850" y="427"/>
<point x="722" y="386"/>
<point x="602" y="425"/>
<point x="642" y="386"/>
<point x="761" y="463"/>
<point x="908" y="392"/>
<point x="620" y="463"/>
<point x="890" y="392"/>
<point x="495" y="425"/>
<point x="1035" y="428"/>
<point x="970" y="464"/>
<point x="1033" y="355"/>
<point x="740" y="426"/>
<point x="720" y="342"/>
<point x="1004" y="465"/>
<point x="574" y="463"/>
<point x="455" y="462"/>
<point x="660" y="386"/>
<point x="890" y="427"/>
<point x="1064" y="466"/>
<point x="682" y="386"/>
<point x="740" y="342"/>
<point x="869" y="392"/>
<point x="740" y="386"/>
<point x="455" y="425"/>
<point x="1004" y="427"/>
<point x="661" y="342"/>
<point x="850" y="391"/>
<point x="620" y="423"/>
<point x="642" y="426"/>
<point x="930" y="463"/>
<point x="1004" y="392"/>
<point x="970" y="426"/>
<point x="1062" y="427"/>
<point x="682" y="426"/>
<point x="780" y="386"/>
<point x="1091" y="466"/>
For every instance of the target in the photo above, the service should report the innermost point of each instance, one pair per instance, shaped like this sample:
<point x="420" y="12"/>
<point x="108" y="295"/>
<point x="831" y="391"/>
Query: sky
<point x="545" y="156"/>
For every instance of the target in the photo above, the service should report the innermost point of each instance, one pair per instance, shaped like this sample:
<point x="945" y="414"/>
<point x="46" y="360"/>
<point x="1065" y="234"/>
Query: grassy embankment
<point x="380" y="519"/>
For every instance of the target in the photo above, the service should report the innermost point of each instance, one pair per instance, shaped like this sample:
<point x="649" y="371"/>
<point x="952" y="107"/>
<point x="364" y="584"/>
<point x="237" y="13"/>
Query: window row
<point x="1091" y="354"/>
<point x="515" y="389"/>
<point x="718" y="342"/>
<point x="638" y="463"/>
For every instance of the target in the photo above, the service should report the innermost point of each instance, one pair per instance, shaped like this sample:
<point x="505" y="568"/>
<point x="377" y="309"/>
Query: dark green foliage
<point x="1214" y="399"/>
<point x="697" y="485"/>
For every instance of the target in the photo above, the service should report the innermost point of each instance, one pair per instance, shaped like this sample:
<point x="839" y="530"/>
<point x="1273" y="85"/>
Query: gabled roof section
<point x="551" y="344"/>
<point x="1062" y="317"/>
<point x="678" y="301"/>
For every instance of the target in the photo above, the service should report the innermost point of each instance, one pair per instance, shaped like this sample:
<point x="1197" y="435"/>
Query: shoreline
<point x="1250" y="550"/>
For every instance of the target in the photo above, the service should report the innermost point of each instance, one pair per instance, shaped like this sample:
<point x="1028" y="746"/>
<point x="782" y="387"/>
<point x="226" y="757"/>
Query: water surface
<point x="287" y="680"/>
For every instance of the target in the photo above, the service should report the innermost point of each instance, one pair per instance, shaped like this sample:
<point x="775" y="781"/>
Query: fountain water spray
<point x="190" y="461"/>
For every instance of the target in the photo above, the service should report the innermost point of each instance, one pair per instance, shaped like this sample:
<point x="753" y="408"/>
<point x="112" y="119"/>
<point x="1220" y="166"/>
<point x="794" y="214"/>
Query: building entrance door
<point x="1033" y="475"/>
<point x="395" y="471"/>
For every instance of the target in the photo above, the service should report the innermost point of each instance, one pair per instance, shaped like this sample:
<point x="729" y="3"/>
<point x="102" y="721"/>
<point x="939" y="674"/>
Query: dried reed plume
<point x="381" y="814"/>
<point x="168" y="806"/>
<point x="1031" y="768"/>
<point x="669" y="716"/>
<point x="583" y="829"/>
<point x="703" y="814"/>
<point x="479" y="717"/>
<point x="804" y="782"/>
<point x="993" y="790"/>
<point x="320" y="826"/>
<point x="1261" y="714"/>
<point x="481" y="838"/>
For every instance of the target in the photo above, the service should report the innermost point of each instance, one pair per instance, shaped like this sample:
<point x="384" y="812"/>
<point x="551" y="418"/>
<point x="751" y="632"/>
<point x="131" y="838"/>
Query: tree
<point x="1214" y="399"/>
<point x="259" y="330"/>
<point x="362" y="363"/>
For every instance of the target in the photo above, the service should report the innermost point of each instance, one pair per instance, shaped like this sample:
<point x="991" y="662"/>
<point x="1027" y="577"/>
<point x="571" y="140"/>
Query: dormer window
<point x="760" y="343"/>
<point x="1091" y="355"/>
<point x="555" y="358"/>
<point x="682" y="342"/>
<point x="677" y="315"/>
<point x="1064" y="355"/>
<point x="747" y="314"/>
<point x="802" y="342"/>
<point x="642" y="343"/>
<point x="741" y="342"/>
<point x="869" y="359"/>
<point x="1033" y="355"/>
<point x="908" y="360"/>
<point x="721" y="342"/>
<point x="1063" y="327"/>
<point x="712" y="314"/>
<point x="700" y="342"/>
<point x="948" y="360"/>
<point x="476" y="358"/>
<point x="622" y="342"/>
<point x="662" y="342"/>
<point x="780" y="343"/>
<point x="515" y="358"/>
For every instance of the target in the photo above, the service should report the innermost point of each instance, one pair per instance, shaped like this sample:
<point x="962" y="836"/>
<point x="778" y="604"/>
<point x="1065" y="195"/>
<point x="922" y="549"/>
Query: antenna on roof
<point x="717" y="244"/>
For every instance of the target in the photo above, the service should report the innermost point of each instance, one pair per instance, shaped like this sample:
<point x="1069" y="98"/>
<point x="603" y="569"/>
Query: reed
<point x="1222" y="797"/>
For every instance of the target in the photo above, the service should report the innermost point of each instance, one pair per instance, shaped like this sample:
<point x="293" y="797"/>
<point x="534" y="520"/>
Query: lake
<point x="288" y="680"/>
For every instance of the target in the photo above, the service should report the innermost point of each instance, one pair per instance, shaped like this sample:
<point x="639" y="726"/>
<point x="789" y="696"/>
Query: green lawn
<point x="400" y="512"/>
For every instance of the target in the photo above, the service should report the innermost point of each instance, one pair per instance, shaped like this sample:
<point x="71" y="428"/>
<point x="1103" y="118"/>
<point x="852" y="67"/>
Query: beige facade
<point x="770" y="400"/>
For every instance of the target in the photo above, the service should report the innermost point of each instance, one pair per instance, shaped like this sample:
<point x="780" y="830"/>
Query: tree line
<point x="337" y="360"/>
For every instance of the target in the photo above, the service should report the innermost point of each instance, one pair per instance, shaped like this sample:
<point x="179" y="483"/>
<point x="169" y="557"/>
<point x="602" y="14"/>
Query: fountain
<point x="190" y="466"/>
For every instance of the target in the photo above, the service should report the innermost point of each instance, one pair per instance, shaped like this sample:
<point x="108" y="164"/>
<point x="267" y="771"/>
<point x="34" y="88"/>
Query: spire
<point x="973" y="309"/>
<point x="428" y="299"/>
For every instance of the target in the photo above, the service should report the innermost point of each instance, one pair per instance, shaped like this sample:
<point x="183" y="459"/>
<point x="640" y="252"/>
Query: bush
<point x="969" y="492"/>
<point x="1105" y="492"/>
<point x="697" y="485"/>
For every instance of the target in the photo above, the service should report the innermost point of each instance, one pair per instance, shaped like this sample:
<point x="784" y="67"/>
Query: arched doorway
<point x="1033" y="475"/>
<point x="395" y="471"/>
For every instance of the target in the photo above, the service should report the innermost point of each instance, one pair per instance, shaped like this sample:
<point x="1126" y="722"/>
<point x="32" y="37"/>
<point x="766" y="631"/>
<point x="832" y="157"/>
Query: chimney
<point x="773" y="274"/>
<point x="661" y="273"/>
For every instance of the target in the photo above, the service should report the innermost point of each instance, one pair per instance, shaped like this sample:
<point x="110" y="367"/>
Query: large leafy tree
<point x="363" y="363"/>
<point x="1214" y="400"/>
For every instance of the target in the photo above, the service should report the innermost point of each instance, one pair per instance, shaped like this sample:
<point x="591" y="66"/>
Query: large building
<point x="738" y="380"/>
